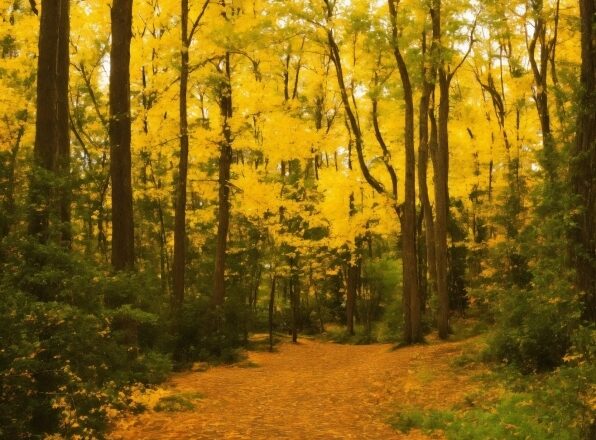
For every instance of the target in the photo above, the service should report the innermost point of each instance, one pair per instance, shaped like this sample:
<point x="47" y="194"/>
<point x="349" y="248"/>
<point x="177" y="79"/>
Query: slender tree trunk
<point x="62" y="77"/>
<point x="353" y="279"/>
<point x="408" y="219"/>
<point x="441" y="173"/>
<point x="423" y="153"/>
<point x="540" y="72"/>
<point x="294" y="305"/>
<point x="439" y="149"/>
<point x="583" y="164"/>
<point x="271" y="305"/>
<point x="178" y="267"/>
<point x="120" y="137"/>
<point x="225" y="162"/>
<point x="352" y="274"/>
<point x="51" y="152"/>
<point x="317" y="301"/>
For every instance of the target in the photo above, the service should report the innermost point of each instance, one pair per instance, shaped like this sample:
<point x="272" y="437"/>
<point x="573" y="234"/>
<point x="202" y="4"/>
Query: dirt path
<point x="313" y="390"/>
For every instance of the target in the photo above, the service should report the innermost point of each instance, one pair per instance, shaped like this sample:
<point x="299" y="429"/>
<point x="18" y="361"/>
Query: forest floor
<point x="310" y="390"/>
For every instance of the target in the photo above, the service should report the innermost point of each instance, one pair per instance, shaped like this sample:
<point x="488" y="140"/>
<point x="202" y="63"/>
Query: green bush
<point x="205" y="334"/>
<point x="554" y="406"/>
<point x="535" y="327"/>
<point x="66" y="357"/>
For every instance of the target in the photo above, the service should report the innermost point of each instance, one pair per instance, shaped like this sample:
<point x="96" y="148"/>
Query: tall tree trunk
<point x="408" y="218"/>
<point x="52" y="142"/>
<point x="120" y="137"/>
<point x="583" y="164"/>
<point x="225" y="161"/>
<point x="441" y="173"/>
<point x="352" y="274"/>
<point x="427" y="214"/>
<point x="439" y="148"/>
<point x="63" y="164"/>
<point x="178" y="267"/>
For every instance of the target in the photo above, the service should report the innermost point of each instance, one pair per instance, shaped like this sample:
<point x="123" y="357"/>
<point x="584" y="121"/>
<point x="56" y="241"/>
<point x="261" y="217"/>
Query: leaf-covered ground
<point x="312" y="390"/>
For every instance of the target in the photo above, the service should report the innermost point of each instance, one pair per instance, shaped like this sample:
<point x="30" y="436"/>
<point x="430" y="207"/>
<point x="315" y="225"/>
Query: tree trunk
<point x="271" y="304"/>
<point x="178" y="267"/>
<point x="120" y="137"/>
<point x="427" y="214"/>
<point x="408" y="219"/>
<point x="353" y="279"/>
<point x="439" y="149"/>
<point x="411" y="298"/>
<point x="51" y="152"/>
<point x="295" y="306"/>
<point x="441" y="173"/>
<point x="63" y="165"/>
<point x="225" y="161"/>
<point x="540" y="73"/>
<point x="583" y="164"/>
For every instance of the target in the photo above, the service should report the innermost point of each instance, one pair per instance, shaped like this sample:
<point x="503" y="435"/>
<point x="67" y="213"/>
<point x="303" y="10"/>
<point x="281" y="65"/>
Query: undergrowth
<point x="557" y="406"/>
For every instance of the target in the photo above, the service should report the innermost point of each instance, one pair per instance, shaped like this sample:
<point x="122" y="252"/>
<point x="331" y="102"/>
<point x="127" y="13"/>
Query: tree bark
<point x="423" y="156"/>
<point x="225" y="161"/>
<point x="271" y="304"/>
<point x="408" y="219"/>
<point x="120" y="137"/>
<point x="540" y="72"/>
<point x="583" y="164"/>
<point x="50" y="201"/>
<point x="63" y="165"/>
<point x="295" y="305"/>
<point x="353" y="280"/>
<point x="179" y="263"/>
<point x="441" y="173"/>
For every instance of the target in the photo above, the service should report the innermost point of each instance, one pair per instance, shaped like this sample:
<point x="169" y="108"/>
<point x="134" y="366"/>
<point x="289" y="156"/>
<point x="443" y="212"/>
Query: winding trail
<point x="313" y="391"/>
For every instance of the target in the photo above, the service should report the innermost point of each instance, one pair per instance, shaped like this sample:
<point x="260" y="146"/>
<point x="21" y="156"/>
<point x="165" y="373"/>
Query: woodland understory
<point x="185" y="183"/>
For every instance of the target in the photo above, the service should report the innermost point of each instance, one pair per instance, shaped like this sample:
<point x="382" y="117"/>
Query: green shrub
<point x="66" y="357"/>
<point x="535" y="327"/>
<point x="555" y="406"/>
<point x="205" y="334"/>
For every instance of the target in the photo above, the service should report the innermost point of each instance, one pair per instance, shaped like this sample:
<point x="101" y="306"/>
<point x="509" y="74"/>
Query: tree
<point x="224" y="164"/>
<point x="49" y="196"/>
<point x="179" y="264"/>
<point x="583" y="164"/>
<point x="440" y="157"/>
<point x="120" y="137"/>
<point x="411" y="300"/>
<point x="428" y="87"/>
<point x="408" y="216"/>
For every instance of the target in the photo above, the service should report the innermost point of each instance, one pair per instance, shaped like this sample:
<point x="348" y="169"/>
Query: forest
<point x="297" y="219"/>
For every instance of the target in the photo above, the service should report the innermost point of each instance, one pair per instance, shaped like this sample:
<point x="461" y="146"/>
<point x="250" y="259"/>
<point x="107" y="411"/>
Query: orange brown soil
<point x="313" y="390"/>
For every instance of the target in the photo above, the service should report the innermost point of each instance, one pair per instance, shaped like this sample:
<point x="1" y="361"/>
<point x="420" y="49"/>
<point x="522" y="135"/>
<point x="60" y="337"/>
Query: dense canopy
<point x="177" y="175"/>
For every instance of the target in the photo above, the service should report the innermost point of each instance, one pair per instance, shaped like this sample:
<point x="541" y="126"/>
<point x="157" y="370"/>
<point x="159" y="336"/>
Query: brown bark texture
<point x="178" y="267"/>
<point x="583" y="166"/>
<point x="120" y="137"/>
<point x="49" y="195"/>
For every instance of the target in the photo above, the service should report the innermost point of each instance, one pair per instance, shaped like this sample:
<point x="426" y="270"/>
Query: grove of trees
<point x="178" y="174"/>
